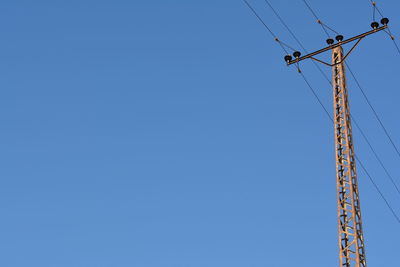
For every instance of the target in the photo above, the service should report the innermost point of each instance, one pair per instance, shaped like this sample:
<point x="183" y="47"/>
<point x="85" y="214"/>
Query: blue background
<point x="172" y="134"/>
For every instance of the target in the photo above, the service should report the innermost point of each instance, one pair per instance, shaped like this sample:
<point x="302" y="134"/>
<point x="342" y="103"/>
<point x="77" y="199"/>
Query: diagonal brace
<point x="344" y="58"/>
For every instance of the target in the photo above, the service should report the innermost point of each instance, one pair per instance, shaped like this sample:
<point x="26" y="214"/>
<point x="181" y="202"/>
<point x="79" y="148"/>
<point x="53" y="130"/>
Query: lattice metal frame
<point x="351" y="240"/>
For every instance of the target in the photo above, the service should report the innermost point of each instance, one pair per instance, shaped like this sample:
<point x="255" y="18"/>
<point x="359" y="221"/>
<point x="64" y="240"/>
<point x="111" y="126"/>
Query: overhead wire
<point x="394" y="41"/>
<point x="373" y="110"/>
<point x="389" y="32"/>
<point x="316" y="95"/>
<point x="323" y="25"/>
<point x="330" y="117"/>
<point x="375" y="8"/>
<point x="379" y="191"/>
<point x="282" y="45"/>
<point x="376" y="156"/>
<point x="373" y="13"/>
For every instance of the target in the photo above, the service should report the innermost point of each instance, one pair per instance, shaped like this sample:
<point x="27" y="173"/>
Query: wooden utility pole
<point x="351" y="239"/>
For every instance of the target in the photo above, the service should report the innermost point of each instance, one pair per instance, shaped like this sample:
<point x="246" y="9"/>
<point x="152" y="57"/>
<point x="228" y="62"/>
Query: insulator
<point x="330" y="41"/>
<point x="297" y="54"/>
<point x="288" y="58"/>
<point x="339" y="38"/>
<point x="374" y="25"/>
<point x="385" y="21"/>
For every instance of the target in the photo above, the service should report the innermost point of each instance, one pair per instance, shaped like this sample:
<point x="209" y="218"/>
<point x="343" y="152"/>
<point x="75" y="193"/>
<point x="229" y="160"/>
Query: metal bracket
<point x="344" y="58"/>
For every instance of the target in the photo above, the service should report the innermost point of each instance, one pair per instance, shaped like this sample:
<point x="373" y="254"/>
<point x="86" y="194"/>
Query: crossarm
<point x="311" y="55"/>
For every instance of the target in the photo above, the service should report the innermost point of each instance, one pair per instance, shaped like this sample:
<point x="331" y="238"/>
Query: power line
<point x="376" y="156"/>
<point x="282" y="45"/>
<point x="389" y="32"/>
<point x="375" y="7"/>
<point x="283" y="22"/>
<point x="379" y="191"/>
<point x="316" y="95"/>
<point x="260" y="19"/>
<point x="323" y="25"/>
<point x="373" y="110"/>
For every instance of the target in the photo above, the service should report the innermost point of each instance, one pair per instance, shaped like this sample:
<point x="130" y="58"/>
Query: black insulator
<point x="385" y="21"/>
<point x="374" y="25"/>
<point x="330" y="41"/>
<point x="297" y="54"/>
<point x="339" y="38"/>
<point x="288" y="58"/>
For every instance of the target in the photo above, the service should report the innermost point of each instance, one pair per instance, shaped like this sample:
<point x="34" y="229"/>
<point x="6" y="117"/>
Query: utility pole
<point x="351" y="239"/>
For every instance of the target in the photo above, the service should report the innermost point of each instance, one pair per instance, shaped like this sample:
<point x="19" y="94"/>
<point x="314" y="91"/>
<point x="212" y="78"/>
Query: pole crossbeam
<point x="339" y="44"/>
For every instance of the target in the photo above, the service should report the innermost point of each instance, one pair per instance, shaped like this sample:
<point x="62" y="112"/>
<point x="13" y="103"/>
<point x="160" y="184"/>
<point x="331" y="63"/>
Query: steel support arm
<point x="358" y="37"/>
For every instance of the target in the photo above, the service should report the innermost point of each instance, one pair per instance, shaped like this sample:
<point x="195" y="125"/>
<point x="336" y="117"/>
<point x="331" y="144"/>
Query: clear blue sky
<point x="171" y="134"/>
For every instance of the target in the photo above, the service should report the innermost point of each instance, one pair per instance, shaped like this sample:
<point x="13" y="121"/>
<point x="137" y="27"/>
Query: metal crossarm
<point x="339" y="44"/>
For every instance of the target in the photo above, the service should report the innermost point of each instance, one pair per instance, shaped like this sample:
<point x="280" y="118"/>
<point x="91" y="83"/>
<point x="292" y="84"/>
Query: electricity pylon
<point x="351" y="239"/>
